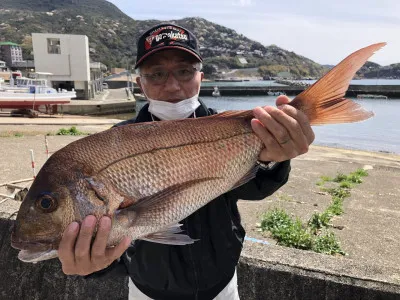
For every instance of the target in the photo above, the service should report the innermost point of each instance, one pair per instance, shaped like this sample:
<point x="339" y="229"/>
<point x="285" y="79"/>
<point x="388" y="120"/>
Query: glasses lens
<point x="157" y="77"/>
<point x="184" y="74"/>
<point x="180" y="74"/>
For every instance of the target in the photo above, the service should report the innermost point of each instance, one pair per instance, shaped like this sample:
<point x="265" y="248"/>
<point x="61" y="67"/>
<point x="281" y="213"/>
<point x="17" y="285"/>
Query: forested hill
<point x="112" y="36"/>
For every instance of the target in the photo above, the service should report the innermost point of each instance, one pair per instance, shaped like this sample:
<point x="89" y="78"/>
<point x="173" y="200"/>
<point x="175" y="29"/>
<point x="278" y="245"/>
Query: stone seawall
<point x="258" y="279"/>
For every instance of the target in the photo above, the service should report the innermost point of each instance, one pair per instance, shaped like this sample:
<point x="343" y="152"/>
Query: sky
<point x="324" y="31"/>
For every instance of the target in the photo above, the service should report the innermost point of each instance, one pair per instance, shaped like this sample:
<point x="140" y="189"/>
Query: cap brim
<point x="165" y="48"/>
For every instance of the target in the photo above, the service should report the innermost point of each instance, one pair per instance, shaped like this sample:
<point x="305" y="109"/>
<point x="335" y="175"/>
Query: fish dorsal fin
<point x="170" y="236"/>
<point x="234" y="114"/>
<point x="247" y="177"/>
<point x="323" y="102"/>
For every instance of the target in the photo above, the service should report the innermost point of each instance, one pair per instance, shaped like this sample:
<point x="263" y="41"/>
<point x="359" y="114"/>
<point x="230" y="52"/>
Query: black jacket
<point x="200" y="270"/>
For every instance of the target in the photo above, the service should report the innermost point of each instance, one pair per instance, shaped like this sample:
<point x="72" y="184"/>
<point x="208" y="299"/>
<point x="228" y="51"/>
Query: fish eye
<point x="46" y="203"/>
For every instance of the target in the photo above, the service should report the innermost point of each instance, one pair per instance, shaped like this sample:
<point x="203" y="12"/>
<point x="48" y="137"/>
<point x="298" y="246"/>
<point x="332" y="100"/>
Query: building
<point x="242" y="60"/>
<point x="4" y="72"/>
<point x="258" y="53"/>
<point x="3" y="67"/>
<point x="66" y="57"/>
<point x="11" y="53"/>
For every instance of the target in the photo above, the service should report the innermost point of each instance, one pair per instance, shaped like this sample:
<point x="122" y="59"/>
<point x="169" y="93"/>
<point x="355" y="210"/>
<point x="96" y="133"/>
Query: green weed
<point x="313" y="235"/>
<point x="70" y="131"/>
<point x="328" y="244"/>
<point x="287" y="232"/>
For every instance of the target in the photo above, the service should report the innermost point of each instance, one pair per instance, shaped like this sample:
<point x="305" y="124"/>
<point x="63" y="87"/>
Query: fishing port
<point x="67" y="72"/>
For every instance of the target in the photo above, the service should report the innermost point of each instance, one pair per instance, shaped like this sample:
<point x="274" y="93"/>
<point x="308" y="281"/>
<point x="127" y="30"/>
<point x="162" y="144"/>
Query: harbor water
<point x="380" y="133"/>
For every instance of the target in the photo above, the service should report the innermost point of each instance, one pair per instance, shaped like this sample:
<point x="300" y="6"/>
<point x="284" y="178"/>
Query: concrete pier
<point x="391" y="91"/>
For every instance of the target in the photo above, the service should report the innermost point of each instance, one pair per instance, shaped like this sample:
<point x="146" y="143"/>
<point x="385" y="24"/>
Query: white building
<point x="11" y="53"/>
<point x="3" y="66"/>
<point x="66" y="57"/>
<point x="242" y="60"/>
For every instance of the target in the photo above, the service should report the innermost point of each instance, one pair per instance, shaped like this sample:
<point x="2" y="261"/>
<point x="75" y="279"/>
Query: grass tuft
<point x="70" y="131"/>
<point x="313" y="235"/>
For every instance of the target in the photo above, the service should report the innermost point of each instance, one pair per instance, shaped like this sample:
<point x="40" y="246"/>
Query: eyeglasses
<point x="181" y="74"/>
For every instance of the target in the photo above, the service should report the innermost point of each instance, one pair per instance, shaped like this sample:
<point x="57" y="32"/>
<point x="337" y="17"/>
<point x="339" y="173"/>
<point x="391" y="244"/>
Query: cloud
<point x="242" y="3"/>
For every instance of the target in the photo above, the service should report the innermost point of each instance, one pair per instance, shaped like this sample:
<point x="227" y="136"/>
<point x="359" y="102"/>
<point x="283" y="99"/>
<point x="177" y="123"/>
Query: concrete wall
<point x="45" y="281"/>
<point x="98" y="109"/>
<point x="72" y="64"/>
<point x="258" y="279"/>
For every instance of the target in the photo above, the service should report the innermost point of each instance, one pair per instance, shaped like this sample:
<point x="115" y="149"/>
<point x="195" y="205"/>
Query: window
<point x="53" y="46"/>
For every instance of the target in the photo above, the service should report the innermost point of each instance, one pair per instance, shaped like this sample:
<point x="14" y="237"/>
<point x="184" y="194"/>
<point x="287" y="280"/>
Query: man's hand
<point x="76" y="254"/>
<point x="285" y="131"/>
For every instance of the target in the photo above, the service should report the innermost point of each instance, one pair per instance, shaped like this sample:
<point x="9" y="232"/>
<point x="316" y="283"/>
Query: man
<point x="169" y="64"/>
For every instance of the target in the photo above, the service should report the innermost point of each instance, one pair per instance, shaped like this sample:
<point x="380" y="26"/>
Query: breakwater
<point x="391" y="91"/>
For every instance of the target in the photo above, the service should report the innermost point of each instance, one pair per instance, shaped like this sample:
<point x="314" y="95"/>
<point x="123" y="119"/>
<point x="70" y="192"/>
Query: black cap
<point x="166" y="36"/>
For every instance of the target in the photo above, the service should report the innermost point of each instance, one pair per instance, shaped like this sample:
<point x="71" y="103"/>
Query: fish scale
<point x="150" y="173"/>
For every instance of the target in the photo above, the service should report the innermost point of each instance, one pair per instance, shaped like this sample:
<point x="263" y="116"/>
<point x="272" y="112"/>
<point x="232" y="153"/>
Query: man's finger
<point x="272" y="151"/>
<point x="302" y="120"/>
<point x="82" y="247"/>
<point x="278" y="123"/>
<point x="67" y="243"/>
<point x="100" y="242"/>
<point x="66" y="252"/>
<point x="282" y="99"/>
<point x="271" y="124"/>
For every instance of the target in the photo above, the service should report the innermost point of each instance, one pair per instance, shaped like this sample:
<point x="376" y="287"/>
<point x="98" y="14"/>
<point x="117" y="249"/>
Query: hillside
<point x="112" y="36"/>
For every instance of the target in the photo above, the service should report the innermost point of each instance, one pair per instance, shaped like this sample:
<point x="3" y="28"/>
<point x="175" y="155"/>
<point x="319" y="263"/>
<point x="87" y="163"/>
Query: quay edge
<point x="257" y="279"/>
<point x="391" y="91"/>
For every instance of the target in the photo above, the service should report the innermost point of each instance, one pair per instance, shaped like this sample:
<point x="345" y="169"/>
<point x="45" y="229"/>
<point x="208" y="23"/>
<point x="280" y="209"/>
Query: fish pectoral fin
<point x="157" y="198"/>
<point x="170" y="236"/>
<point x="247" y="177"/>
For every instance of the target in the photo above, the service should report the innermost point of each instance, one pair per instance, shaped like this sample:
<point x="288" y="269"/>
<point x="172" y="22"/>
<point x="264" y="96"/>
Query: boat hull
<point x="28" y="100"/>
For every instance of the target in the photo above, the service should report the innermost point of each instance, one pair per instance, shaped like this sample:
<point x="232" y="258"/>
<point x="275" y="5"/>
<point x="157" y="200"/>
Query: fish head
<point x="48" y="208"/>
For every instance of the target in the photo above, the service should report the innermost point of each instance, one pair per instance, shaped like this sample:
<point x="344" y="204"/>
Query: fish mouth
<point x="36" y="256"/>
<point x="36" y="246"/>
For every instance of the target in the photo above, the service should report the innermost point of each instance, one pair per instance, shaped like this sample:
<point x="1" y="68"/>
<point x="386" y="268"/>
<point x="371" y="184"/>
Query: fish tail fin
<point x="324" y="101"/>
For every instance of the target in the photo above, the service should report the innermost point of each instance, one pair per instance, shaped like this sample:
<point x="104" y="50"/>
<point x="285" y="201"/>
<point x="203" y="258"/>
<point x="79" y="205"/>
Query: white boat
<point x="216" y="92"/>
<point x="271" y="93"/>
<point x="31" y="93"/>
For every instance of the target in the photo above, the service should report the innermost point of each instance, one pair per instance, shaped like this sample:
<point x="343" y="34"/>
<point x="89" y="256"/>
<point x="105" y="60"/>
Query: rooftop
<point x="8" y="44"/>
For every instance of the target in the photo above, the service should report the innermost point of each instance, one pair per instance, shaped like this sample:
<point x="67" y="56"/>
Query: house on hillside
<point x="242" y="60"/>
<point x="4" y="72"/>
<point x="66" y="58"/>
<point x="258" y="53"/>
<point x="285" y="75"/>
<point x="3" y="67"/>
<point x="11" y="53"/>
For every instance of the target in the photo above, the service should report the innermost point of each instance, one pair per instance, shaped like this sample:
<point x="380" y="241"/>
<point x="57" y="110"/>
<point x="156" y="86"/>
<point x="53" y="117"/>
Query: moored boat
<point x="216" y="92"/>
<point x="31" y="93"/>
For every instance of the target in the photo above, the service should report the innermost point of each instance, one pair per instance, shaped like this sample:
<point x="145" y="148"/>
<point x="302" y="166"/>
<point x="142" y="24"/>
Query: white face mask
<point x="173" y="111"/>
